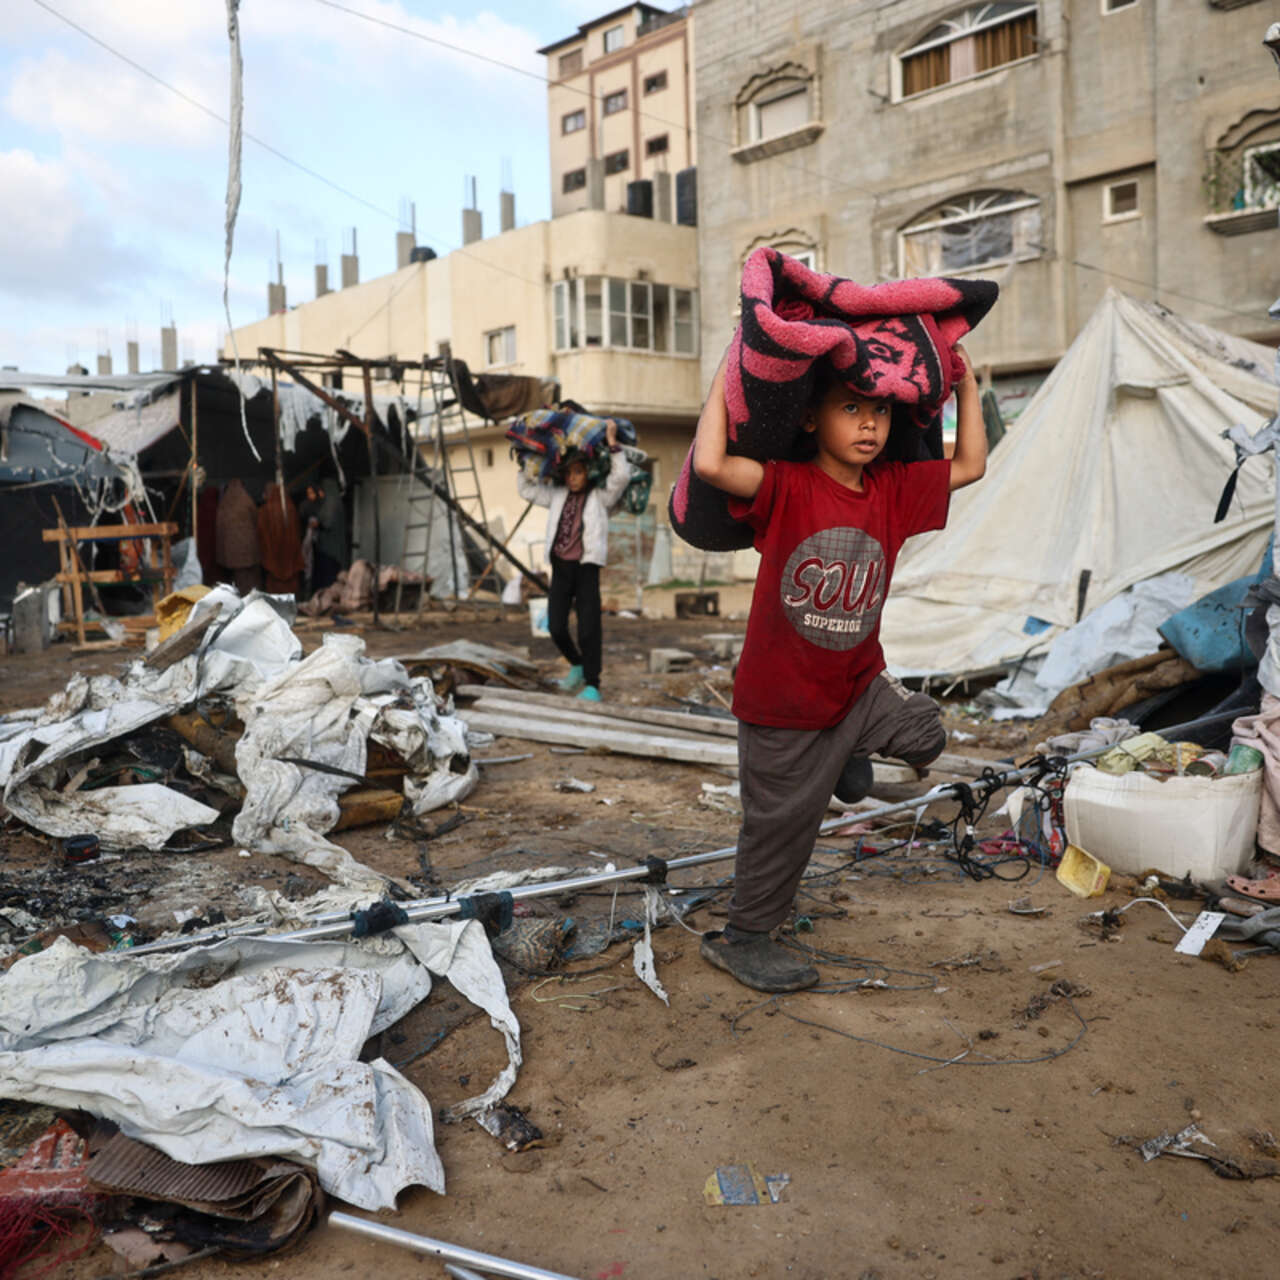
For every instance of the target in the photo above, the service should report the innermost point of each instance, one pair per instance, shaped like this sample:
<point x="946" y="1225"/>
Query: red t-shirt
<point x="827" y="554"/>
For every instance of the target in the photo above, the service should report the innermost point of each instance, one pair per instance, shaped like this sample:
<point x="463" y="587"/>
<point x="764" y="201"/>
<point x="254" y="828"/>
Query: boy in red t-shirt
<point x="812" y="696"/>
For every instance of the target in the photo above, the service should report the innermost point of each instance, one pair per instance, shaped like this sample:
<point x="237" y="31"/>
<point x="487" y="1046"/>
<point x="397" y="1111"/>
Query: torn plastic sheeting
<point x="144" y="815"/>
<point x="642" y="954"/>
<point x="86" y="714"/>
<point x="322" y="708"/>
<point x="259" y="1061"/>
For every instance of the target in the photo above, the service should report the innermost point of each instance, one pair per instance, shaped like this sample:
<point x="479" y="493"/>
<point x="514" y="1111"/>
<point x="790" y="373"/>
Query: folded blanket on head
<point x="894" y="340"/>
<point x="542" y="439"/>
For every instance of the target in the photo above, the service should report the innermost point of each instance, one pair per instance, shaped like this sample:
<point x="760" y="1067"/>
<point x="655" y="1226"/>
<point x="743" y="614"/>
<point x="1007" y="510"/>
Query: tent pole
<point x="195" y="462"/>
<point x="373" y="485"/>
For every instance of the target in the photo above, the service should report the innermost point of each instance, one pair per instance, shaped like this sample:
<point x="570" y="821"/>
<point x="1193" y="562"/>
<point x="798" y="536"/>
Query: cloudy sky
<point x="115" y="186"/>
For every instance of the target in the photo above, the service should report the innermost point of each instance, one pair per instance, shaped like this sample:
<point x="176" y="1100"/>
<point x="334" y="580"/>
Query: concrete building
<point x="1057" y="146"/>
<point x="620" y="114"/>
<point x="605" y="303"/>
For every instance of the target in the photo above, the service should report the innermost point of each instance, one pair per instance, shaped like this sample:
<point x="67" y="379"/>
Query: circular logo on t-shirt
<point x="833" y="587"/>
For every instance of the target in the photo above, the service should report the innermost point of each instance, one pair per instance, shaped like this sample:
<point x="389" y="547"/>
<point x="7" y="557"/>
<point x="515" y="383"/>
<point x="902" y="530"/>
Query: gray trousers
<point x="788" y="777"/>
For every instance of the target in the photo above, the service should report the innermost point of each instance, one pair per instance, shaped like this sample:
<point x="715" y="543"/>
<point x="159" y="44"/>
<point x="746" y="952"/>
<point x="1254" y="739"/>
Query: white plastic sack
<point x="1132" y="822"/>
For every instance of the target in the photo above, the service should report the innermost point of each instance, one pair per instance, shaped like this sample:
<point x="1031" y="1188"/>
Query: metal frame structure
<point x="308" y="369"/>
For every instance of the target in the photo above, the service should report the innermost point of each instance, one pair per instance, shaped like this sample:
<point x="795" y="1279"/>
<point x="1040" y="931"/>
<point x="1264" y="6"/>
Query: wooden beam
<point x="359" y="808"/>
<point x="110" y="532"/>
<point x="711" y="726"/>
<point x="499" y="705"/>
<point x="621" y="741"/>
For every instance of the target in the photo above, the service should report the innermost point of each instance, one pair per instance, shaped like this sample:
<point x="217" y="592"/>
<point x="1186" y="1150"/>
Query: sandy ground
<point x="958" y="1117"/>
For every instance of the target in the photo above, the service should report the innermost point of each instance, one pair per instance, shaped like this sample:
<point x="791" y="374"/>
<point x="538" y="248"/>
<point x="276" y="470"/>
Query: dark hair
<point x="824" y="378"/>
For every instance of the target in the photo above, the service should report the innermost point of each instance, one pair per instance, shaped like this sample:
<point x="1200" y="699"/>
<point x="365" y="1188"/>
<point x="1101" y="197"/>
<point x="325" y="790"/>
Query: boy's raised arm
<point x="712" y="462"/>
<point x="969" y="462"/>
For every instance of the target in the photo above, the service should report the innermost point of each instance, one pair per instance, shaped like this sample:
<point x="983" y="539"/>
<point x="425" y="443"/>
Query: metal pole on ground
<point x="439" y="1249"/>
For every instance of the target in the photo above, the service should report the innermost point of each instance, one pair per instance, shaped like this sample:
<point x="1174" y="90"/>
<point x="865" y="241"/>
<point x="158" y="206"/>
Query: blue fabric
<point x="1209" y="634"/>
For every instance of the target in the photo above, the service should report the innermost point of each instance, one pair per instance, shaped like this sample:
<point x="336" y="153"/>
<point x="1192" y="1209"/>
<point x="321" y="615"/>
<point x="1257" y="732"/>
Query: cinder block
<point x="663" y="660"/>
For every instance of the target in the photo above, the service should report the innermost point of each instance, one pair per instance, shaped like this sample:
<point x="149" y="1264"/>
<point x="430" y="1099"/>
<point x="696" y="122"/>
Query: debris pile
<point x="239" y="728"/>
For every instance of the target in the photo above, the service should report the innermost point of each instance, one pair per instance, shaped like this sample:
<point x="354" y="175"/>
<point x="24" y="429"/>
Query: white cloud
<point x="91" y="99"/>
<point x="48" y="243"/>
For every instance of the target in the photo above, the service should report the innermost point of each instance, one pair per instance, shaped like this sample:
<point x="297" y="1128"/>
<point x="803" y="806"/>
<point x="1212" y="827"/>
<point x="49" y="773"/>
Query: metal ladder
<point x="454" y="469"/>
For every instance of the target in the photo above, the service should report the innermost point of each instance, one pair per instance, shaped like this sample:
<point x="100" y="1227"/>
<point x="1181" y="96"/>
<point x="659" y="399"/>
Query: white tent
<point x="1114" y="471"/>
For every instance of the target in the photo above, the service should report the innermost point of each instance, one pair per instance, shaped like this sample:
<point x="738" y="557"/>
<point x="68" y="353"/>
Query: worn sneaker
<point x="573" y="681"/>
<point x="855" y="780"/>
<point x="589" y="694"/>
<point x="757" y="961"/>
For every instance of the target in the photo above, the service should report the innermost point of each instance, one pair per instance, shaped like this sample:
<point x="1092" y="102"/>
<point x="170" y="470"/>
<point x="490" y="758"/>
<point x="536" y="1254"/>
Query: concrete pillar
<point x="276" y="299"/>
<point x="404" y="248"/>
<point x="350" y="270"/>
<point x="131" y="355"/>
<point x="472" y="226"/>
<point x="322" y="279"/>
<point x="169" y="347"/>
<point x="662" y="197"/>
<point x="595" y="183"/>
<point x="104" y="365"/>
<point x="507" y="211"/>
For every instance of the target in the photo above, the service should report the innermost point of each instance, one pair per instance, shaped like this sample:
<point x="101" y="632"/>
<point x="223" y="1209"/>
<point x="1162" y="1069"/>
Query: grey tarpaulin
<point x="251" y="1047"/>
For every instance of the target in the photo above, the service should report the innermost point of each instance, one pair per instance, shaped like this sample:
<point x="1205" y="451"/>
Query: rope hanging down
<point x="234" y="148"/>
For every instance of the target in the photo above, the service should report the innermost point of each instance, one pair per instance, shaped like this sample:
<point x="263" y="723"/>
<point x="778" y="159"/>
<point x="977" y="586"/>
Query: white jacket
<point x="595" y="511"/>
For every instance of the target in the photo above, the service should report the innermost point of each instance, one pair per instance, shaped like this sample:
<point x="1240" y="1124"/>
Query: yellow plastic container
<point x="1082" y="873"/>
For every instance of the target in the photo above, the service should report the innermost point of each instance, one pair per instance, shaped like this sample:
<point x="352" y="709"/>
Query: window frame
<point x="625" y="153"/>
<point x="1029" y="7"/>
<point x="507" y="334"/>
<point x="1109" y="214"/>
<point x="564" y="72"/>
<point x="624" y="303"/>
<point x="787" y="88"/>
<point x="650" y="87"/>
<point x="580" y="115"/>
<point x="565" y="188"/>
<point x="650" y="149"/>
<point x="1109" y="7"/>
<point x="1016" y="202"/>
<point x="1246" y="174"/>
<point x="614" y="96"/>
<point x="619" y="31"/>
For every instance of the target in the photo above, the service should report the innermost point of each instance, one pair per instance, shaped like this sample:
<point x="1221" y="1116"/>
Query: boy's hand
<point x="611" y="433"/>
<point x="969" y="460"/>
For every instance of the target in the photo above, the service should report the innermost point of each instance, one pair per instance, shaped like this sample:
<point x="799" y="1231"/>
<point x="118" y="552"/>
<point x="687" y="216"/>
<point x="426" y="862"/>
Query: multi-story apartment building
<point x="620" y="111"/>
<point x="1058" y="146"/>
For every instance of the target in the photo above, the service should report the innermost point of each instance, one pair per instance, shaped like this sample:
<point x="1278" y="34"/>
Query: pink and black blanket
<point x="893" y="340"/>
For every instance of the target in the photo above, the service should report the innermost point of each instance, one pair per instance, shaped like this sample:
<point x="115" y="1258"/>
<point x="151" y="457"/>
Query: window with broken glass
<point x="978" y="230"/>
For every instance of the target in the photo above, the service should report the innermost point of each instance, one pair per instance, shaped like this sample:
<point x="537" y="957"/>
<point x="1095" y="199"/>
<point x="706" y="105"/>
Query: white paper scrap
<point x="1203" y="927"/>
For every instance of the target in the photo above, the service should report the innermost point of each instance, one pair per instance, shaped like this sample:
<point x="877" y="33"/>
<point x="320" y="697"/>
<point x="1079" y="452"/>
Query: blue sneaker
<point x="573" y="681"/>
<point x="589" y="694"/>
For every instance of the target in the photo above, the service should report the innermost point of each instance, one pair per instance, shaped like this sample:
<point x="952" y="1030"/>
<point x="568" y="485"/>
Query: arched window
<point x="981" y="229"/>
<point x="977" y="39"/>
<point x="1242" y="181"/>
<point x="776" y="110"/>
<point x="794" y="242"/>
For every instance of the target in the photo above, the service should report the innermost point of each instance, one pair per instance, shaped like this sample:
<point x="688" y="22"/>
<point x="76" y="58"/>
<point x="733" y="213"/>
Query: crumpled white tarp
<point x="251" y="1047"/>
<point x="1125" y="627"/>
<point x="322" y="709"/>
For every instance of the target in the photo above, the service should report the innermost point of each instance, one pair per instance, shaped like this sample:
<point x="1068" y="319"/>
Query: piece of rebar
<point x="338" y="924"/>
<point x="439" y="1249"/>
<point x="461" y="1273"/>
